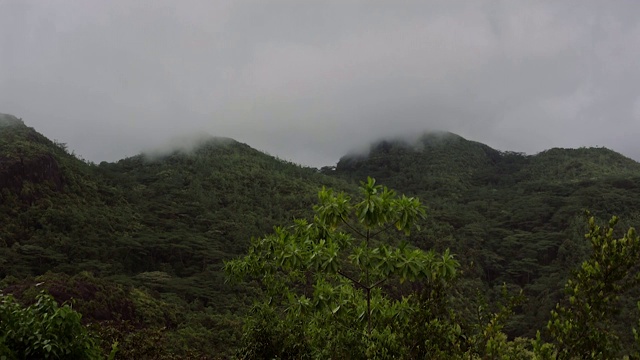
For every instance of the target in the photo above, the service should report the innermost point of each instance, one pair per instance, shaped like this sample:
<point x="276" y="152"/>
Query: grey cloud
<point x="309" y="81"/>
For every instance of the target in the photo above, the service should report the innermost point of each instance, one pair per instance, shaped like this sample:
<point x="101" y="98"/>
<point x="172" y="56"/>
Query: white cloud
<point x="307" y="81"/>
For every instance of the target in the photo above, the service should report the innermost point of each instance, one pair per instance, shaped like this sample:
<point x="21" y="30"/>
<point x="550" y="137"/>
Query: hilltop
<point x="156" y="228"/>
<point x="516" y="218"/>
<point x="161" y="224"/>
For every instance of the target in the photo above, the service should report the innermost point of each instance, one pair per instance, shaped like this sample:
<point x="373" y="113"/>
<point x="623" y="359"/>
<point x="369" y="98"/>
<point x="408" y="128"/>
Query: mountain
<point x="24" y="156"/>
<point x="444" y="163"/>
<point x="50" y="200"/>
<point x="460" y="163"/>
<point x="512" y="218"/>
<point x="144" y="238"/>
<point x="160" y="224"/>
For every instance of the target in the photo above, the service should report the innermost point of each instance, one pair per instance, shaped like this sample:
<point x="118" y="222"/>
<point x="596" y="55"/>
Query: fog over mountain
<point x="310" y="81"/>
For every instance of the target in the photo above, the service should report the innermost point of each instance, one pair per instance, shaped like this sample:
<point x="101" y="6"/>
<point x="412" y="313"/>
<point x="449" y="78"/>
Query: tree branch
<point x="352" y="279"/>
<point x="351" y="227"/>
<point x="379" y="282"/>
<point x="383" y="230"/>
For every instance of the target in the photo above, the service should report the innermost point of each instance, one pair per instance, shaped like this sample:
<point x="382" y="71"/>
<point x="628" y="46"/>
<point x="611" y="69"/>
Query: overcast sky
<point x="310" y="80"/>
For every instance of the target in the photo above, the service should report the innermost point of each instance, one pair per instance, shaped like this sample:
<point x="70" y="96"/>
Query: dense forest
<point x="176" y="255"/>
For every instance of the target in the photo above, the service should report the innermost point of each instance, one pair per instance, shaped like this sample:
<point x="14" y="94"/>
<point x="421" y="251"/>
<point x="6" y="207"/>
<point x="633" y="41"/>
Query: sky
<point x="308" y="81"/>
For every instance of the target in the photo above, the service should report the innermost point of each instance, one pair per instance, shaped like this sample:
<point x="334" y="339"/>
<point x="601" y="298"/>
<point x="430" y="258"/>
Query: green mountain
<point x="145" y="237"/>
<point x="443" y="163"/>
<point x="514" y="218"/>
<point x="161" y="224"/>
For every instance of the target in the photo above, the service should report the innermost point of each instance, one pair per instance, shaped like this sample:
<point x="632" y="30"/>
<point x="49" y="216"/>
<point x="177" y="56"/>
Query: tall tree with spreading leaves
<point x="583" y="327"/>
<point x="332" y="284"/>
<point x="342" y="286"/>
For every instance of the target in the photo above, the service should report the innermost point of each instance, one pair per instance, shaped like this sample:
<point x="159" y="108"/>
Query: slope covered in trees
<point x="162" y="224"/>
<point x="333" y="289"/>
<point x="514" y="218"/>
<point x="145" y="238"/>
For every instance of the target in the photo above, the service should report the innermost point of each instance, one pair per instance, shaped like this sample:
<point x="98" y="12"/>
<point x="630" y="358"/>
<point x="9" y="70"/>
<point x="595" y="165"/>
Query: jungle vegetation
<point x="492" y="261"/>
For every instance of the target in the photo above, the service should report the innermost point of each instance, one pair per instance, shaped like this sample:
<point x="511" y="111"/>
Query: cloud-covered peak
<point x="9" y="120"/>
<point x="308" y="81"/>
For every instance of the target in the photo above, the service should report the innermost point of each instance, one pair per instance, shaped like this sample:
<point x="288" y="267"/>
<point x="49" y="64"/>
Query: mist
<point x="311" y="81"/>
<point x="185" y="144"/>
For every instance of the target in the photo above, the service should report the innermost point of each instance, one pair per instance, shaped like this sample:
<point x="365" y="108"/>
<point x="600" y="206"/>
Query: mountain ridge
<point x="421" y="141"/>
<point x="165" y="224"/>
<point x="9" y="120"/>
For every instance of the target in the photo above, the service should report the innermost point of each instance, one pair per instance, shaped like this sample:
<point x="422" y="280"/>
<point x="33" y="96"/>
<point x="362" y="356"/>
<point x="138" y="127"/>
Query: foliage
<point x="163" y="224"/>
<point x="43" y="331"/>
<point x="582" y="328"/>
<point x="324" y="279"/>
<point x="140" y="243"/>
<point x="510" y="218"/>
<point x="323" y="292"/>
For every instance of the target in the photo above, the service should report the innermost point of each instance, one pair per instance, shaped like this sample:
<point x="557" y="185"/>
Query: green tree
<point x="582" y="328"/>
<point x="43" y="331"/>
<point x="323" y="280"/>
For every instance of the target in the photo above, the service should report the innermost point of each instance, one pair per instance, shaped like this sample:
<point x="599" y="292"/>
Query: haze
<point x="310" y="80"/>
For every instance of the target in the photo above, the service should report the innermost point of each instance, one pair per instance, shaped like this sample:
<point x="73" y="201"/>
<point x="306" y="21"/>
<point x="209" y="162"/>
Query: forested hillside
<point x="141" y="243"/>
<point x="513" y="218"/>
<point x="163" y="224"/>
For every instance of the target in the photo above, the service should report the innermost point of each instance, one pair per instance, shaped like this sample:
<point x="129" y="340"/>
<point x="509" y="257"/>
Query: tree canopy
<point x="139" y="244"/>
<point x="333" y="289"/>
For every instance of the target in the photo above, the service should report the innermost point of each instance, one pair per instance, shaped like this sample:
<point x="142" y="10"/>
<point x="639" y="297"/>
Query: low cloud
<point x="309" y="82"/>
<point x="186" y="144"/>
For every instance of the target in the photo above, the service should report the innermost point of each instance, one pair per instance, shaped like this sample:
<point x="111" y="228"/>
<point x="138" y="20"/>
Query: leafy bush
<point x="43" y="331"/>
